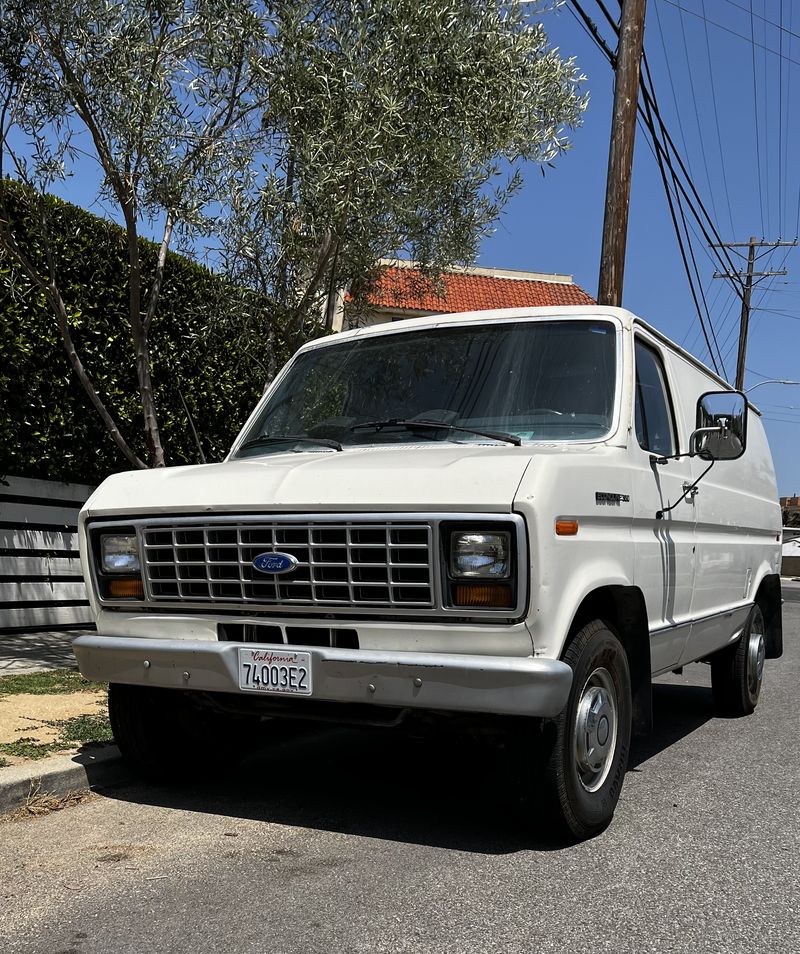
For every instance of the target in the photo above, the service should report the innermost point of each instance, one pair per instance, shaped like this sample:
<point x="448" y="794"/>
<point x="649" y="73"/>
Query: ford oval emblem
<point x="275" y="562"/>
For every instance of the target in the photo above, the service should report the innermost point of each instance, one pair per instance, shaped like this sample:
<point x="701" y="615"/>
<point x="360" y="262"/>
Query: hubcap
<point x="596" y="729"/>
<point x="755" y="658"/>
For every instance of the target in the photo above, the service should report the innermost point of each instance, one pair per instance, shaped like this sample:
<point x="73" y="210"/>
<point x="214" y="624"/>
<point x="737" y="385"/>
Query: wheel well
<point x="769" y="601"/>
<point x="623" y="608"/>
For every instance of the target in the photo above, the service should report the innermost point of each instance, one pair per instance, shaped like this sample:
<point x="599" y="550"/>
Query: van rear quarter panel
<point x="737" y="513"/>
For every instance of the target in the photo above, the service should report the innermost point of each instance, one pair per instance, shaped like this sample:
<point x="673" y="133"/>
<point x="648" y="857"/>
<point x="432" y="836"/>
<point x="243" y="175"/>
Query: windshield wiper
<point x="413" y="423"/>
<point x="292" y="439"/>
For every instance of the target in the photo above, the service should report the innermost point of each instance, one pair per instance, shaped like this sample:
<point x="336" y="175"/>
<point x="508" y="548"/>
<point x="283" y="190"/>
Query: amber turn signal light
<point x="484" y="594"/>
<point x="126" y="589"/>
<point x="566" y="528"/>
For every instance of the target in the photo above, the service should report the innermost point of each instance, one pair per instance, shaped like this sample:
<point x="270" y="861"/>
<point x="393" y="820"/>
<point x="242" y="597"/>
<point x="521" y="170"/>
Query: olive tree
<point x="390" y="127"/>
<point x="296" y="142"/>
<point x="160" y="96"/>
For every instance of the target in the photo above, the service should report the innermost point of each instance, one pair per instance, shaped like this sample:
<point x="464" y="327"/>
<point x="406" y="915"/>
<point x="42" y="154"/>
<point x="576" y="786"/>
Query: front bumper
<point x="434" y="681"/>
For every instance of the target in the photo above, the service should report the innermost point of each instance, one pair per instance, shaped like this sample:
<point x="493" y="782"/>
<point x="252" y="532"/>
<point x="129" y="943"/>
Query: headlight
<point x="119" y="553"/>
<point x="480" y="555"/>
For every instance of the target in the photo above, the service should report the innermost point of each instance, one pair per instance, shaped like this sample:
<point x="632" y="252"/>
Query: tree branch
<point x="158" y="278"/>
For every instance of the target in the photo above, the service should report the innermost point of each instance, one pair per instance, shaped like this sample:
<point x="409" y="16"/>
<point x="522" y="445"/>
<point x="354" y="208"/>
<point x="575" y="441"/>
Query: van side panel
<point x="737" y="531"/>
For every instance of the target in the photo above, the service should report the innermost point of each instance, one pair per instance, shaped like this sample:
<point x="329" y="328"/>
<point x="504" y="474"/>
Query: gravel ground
<point x="354" y="841"/>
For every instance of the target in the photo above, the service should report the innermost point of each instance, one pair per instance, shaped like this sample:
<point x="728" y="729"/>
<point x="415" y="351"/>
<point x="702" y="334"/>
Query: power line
<point x="755" y="107"/>
<point x="662" y="152"/>
<point x="767" y="164"/>
<point x="696" y="112"/>
<point x="658" y="154"/>
<point x="788" y="111"/>
<point x="678" y="112"/>
<point x="649" y="95"/>
<point x="758" y="16"/>
<point x="731" y="338"/>
<point x="721" y="26"/>
<point x="778" y="311"/>
<point x="716" y="117"/>
<point x="780" y="127"/>
<point x="702" y="291"/>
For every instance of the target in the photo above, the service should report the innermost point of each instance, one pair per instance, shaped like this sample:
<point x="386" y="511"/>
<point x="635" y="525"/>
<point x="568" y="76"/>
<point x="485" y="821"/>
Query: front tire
<point x="737" y="670"/>
<point x="584" y="752"/>
<point x="165" y="738"/>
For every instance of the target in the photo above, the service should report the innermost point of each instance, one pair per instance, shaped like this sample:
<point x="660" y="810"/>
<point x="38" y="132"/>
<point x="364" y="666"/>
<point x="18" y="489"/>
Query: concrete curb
<point x="61" y="775"/>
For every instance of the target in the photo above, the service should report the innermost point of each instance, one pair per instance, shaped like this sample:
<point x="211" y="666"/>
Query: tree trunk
<point x="141" y="345"/>
<point x="272" y="364"/>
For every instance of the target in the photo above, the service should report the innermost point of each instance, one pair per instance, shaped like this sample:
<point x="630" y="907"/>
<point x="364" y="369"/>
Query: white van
<point x="525" y="513"/>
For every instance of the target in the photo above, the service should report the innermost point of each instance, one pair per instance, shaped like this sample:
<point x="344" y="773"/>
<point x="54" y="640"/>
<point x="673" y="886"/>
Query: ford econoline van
<point x="519" y="516"/>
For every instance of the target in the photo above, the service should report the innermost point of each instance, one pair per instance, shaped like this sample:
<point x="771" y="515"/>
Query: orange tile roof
<point x="405" y="289"/>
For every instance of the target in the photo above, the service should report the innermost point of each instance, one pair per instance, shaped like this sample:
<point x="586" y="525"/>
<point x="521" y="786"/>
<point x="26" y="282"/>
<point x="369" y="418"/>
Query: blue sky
<point x="555" y="223"/>
<point x="744" y="157"/>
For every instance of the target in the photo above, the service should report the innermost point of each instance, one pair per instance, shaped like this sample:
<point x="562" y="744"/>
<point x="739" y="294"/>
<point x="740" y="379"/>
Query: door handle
<point x="690" y="491"/>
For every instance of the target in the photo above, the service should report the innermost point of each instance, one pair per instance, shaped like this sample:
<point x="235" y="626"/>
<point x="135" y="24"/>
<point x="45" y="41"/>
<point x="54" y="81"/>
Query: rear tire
<point x="165" y="738"/>
<point x="737" y="670"/>
<point x="583" y="753"/>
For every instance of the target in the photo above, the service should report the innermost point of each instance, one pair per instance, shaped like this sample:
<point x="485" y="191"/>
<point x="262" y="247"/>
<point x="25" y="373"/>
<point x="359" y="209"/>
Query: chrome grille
<point x="339" y="564"/>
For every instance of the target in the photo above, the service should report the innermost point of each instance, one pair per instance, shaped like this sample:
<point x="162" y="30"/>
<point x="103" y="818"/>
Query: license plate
<point x="275" y="670"/>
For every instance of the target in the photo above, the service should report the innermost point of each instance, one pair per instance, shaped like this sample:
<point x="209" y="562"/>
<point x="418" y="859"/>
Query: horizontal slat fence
<point x="790" y="563"/>
<point x="40" y="574"/>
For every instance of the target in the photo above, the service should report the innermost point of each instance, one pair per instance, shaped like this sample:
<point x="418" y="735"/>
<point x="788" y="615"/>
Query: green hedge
<point x="48" y="429"/>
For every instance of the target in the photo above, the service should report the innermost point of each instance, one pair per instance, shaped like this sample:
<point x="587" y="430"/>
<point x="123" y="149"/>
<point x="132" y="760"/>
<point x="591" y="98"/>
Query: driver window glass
<point x="655" y="427"/>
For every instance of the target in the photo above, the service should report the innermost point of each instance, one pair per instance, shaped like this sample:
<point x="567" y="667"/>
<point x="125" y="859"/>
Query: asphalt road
<point x="354" y="841"/>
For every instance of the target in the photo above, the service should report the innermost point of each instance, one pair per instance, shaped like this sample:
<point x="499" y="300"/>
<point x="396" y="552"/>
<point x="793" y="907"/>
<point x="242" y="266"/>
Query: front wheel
<point x="583" y="754"/>
<point x="737" y="670"/>
<point x="165" y="738"/>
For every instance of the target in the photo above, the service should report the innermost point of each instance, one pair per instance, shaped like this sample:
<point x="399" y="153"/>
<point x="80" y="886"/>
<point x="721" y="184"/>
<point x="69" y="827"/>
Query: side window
<point x="655" y="427"/>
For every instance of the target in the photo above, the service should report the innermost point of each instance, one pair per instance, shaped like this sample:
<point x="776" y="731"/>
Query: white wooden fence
<point x="40" y="575"/>
<point x="790" y="565"/>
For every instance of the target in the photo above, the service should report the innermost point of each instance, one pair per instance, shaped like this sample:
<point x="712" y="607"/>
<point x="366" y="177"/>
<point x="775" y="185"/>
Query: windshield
<point x="537" y="381"/>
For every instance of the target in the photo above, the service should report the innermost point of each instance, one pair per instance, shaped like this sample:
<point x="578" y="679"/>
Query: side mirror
<point x="721" y="432"/>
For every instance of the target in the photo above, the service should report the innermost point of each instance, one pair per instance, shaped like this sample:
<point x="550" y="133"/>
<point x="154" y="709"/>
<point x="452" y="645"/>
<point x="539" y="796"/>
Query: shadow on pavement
<point x="24" y="652"/>
<point x="437" y="791"/>
<point x="442" y="791"/>
<point x="678" y="710"/>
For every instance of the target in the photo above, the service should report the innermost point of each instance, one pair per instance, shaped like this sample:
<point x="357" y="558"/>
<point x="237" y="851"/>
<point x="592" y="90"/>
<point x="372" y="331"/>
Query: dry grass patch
<point x="51" y="682"/>
<point x="40" y="803"/>
<point x="44" y="713"/>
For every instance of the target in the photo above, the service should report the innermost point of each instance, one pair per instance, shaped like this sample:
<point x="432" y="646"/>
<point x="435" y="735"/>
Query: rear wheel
<point x="165" y="737"/>
<point x="738" y="670"/>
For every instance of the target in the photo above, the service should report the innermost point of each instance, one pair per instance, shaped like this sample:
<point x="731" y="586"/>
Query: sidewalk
<point x="35" y="652"/>
<point x="34" y="718"/>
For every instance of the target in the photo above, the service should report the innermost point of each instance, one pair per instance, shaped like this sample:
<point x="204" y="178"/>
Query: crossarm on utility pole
<point x="748" y="276"/>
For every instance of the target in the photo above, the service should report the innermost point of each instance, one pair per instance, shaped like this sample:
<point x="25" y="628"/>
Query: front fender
<point x="558" y="598"/>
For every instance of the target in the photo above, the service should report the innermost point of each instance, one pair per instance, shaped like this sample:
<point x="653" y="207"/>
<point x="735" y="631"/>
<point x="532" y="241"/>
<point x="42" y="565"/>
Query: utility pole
<point x="620" y="154"/>
<point x="749" y="275"/>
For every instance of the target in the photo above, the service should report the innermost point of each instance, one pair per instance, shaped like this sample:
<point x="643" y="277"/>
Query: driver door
<point x="664" y="548"/>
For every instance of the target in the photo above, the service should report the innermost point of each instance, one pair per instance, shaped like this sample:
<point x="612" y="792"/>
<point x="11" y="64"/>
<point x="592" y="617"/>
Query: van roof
<point x="625" y="317"/>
